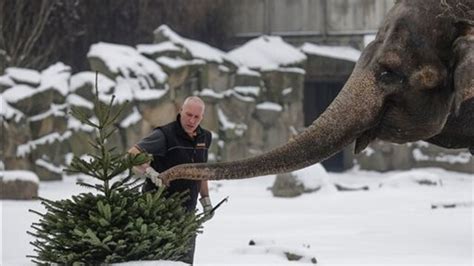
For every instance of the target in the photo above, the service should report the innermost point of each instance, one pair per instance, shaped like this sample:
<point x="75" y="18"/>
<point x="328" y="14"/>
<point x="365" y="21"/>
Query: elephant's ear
<point x="464" y="63"/>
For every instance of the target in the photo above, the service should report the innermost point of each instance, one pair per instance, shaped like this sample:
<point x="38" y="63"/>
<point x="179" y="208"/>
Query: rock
<point x="53" y="120"/>
<point x="283" y="85"/>
<point x="28" y="100"/>
<point x="287" y="186"/>
<point x="18" y="185"/>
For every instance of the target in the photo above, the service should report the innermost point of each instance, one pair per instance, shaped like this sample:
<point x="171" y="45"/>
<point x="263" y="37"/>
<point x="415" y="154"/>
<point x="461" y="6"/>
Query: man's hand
<point x="154" y="176"/>
<point x="207" y="207"/>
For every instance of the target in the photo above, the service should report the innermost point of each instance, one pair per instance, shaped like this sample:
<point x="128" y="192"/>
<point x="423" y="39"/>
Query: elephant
<point x="414" y="81"/>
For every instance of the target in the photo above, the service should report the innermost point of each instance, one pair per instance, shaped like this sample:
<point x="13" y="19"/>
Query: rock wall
<point x="248" y="111"/>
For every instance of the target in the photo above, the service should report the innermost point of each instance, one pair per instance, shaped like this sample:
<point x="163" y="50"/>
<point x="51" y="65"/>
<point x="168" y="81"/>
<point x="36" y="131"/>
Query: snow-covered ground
<point x="392" y="223"/>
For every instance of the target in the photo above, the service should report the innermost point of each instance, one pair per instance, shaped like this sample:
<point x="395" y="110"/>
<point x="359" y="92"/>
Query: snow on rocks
<point x="265" y="53"/>
<point x="18" y="185"/>
<point x="113" y="60"/>
<point x="338" y="52"/>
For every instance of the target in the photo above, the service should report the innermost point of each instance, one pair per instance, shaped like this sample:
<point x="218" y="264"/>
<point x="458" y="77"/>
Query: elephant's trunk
<point x="355" y="110"/>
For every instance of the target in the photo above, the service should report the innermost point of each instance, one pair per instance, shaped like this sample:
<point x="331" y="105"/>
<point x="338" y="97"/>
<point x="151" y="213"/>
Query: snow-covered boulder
<point x="18" y="185"/>
<point x="115" y="60"/>
<point x="310" y="179"/>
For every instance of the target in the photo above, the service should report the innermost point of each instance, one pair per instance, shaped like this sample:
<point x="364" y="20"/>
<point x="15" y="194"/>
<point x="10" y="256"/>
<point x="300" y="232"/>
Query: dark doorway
<point x="317" y="97"/>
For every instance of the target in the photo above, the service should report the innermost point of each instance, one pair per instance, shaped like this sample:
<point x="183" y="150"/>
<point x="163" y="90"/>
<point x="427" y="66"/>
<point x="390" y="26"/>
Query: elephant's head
<point x="415" y="75"/>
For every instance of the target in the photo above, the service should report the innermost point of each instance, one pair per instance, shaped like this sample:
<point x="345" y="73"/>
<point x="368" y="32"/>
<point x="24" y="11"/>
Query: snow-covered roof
<point x="127" y="61"/>
<point x="267" y="52"/>
<point x="340" y="52"/>
<point x="196" y="49"/>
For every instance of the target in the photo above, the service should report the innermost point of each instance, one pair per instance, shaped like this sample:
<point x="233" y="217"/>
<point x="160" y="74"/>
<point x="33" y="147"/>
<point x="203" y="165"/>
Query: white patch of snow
<point x="267" y="52"/>
<point x="49" y="166"/>
<point x="57" y="77"/>
<point x="248" y="90"/>
<point x="226" y="124"/>
<point x="131" y="119"/>
<point x="196" y="49"/>
<point x="19" y="92"/>
<point x="54" y="110"/>
<point x="6" y="81"/>
<point x="210" y="93"/>
<point x="340" y="52"/>
<point x="150" y="49"/>
<point x="175" y="63"/>
<point x="286" y="91"/>
<point x="313" y="177"/>
<point x="104" y="84"/>
<point x="368" y="39"/>
<point x="368" y="151"/>
<point x="128" y="62"/>
<point x="29" y="76"/>
<point x="8" y="111"/>
<point x="76" y="100"/>
<point x="270" y="106"/>
<point x="12" y="175"/>
<point x="461" y="158"/>
<point x="24" y="149"/>
<point x="245" y="71"/>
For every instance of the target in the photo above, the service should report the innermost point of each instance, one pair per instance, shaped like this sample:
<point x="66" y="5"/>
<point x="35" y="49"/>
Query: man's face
<point x="191" y="115"/>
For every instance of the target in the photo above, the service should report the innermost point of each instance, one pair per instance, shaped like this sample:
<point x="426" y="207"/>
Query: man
<point x="181" y="141"/>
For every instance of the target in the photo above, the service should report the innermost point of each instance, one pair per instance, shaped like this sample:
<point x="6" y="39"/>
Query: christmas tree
<point x="117" y="223"/>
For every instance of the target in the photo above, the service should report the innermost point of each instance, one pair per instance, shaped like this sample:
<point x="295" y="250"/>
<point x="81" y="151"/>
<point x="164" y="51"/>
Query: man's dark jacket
<point x="170" y="145"/>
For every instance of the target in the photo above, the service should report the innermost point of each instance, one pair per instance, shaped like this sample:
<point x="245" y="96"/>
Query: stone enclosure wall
<point x="248" y="111"/>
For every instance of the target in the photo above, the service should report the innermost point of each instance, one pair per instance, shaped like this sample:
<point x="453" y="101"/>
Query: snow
<point x="18" y="92"/>
<point x="248" y="90"/>
<point x="54" y="110"/>
<point x="24" y="149"/>
<point x="368" y="39"/>
<point x="104" y="84"/>
<point x="340" y="52"/>
<point x="210" y="93"/>
<point x="47" y="165"/>
<point x="76" y="100"/>
<point x="8" y="111"/>
<point x="461" y="157"/>
<point x="196" y="49"/>
<point x="385" y="225"/>
<point x="245" y="71"/>
<point x="131" y="119"/>
<point x="267" y="53"/>
<point x="12" y="175"/>
<point x="150" y="49"/>
<point x="127" y="61"/>
<point x="175" y="63"/>
<point x="57" y="77"/>
<point x="312" y="177"/>
<point x="226" y="124"/>
<point x="269" y="106"/>
<point x="24" y="75"/>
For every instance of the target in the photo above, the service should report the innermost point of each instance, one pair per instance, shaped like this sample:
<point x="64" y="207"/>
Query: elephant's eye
<point x="391" y="77"/>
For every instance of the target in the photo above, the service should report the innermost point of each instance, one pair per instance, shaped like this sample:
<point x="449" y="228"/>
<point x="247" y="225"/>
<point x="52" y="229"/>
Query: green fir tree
<point x="117" y="223"/>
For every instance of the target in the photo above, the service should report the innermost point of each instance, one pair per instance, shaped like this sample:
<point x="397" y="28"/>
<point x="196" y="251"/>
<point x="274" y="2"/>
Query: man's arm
<point x="204" y="191"/>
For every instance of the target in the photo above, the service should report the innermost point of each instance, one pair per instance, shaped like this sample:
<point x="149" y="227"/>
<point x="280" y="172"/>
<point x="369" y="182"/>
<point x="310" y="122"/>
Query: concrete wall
<point x="308" y="17"/>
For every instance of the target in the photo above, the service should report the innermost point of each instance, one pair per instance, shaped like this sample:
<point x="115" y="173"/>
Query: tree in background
<point x="32" y="32"/>
<point x="117" y="224"/>
<point x="35" y="34"/>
